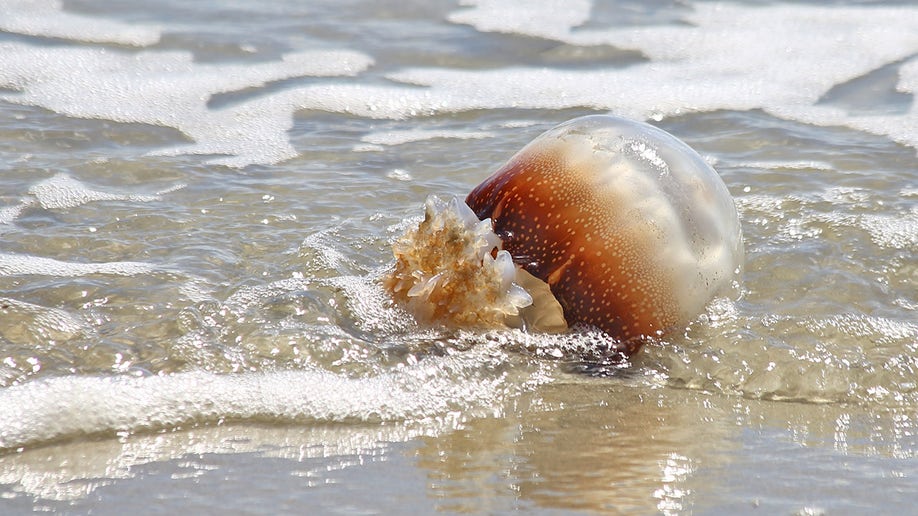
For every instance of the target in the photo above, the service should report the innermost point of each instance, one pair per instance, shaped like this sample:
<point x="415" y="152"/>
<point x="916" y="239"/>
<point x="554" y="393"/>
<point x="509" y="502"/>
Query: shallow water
<point x="200" y="198"/>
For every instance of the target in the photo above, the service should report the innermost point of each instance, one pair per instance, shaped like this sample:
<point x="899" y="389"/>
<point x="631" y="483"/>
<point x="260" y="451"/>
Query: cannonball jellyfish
<point x="614" y="223"/>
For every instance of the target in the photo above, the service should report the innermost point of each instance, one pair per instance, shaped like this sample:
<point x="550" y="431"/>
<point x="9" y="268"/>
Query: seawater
<point x="199" y="200"/>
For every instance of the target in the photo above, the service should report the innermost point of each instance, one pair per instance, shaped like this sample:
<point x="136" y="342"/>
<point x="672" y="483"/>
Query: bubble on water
<point x="468" y="383"/>
<point x="170" y="89"/>
<point x="30" y="324"/>
<point x="47" y="18"/>
<point x="805" y="215"/>
<point x="20" y="265"/>
<point x="372" y="307"/>
<point x="244" y="299"/>
<point x="416" y="135"/>
<point x="62" y="191"/>
<point x="398" y="174"/>
<point x="893" y="231"/>
<point x="843" y="358"/>
<point x="10" y="213"/>
<point x="881" y="330"/>
<point x="324" y="248"/>
<point x="711" y="62"/>
<point x="786" y="165"/>
<point x="544" y="18"/>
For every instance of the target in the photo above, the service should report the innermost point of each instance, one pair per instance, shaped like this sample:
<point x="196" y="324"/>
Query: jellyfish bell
<point x="613" y="223"/>
<point x="632" y="230"/>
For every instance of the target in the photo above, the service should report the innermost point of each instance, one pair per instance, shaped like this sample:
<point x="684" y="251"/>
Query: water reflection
<point x="595" y="446"/>
<point x="579" y="444"/>
<point x="601" y="446"/>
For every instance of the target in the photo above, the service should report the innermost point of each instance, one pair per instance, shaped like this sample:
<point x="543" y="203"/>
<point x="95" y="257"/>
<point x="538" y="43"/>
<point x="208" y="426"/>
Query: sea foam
<point x="56" y="408"/>
<point x="18" y="265"/>
<point x="46" y="18"/>
<point x="779" y="58"/>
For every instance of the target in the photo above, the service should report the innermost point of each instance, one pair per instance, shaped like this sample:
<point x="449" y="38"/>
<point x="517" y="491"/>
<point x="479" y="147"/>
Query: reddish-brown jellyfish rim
<point x="543" y="208"/>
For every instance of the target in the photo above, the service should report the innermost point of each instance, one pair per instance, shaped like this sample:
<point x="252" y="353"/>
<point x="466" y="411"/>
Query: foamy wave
<point x="44" y="323"/>
<point x="798" y="216"/>
<point x="170" y="89"/>
<point x="62" y="191"/>
<point x="10" y="213"/>
<point x="898" y="232"/>
<point x="543" y="18"/>
<point x="409" y="136"/>
<point x="787" y="165"/>
<point x="21" y="264"/>
<point x="57" y="408"/>
<point x="705" y="66"/>
<point x="779" y="58"/>
<point x="844" y="358"/>
<point x="782" y="59"/>
<point x="46" y="18"/>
